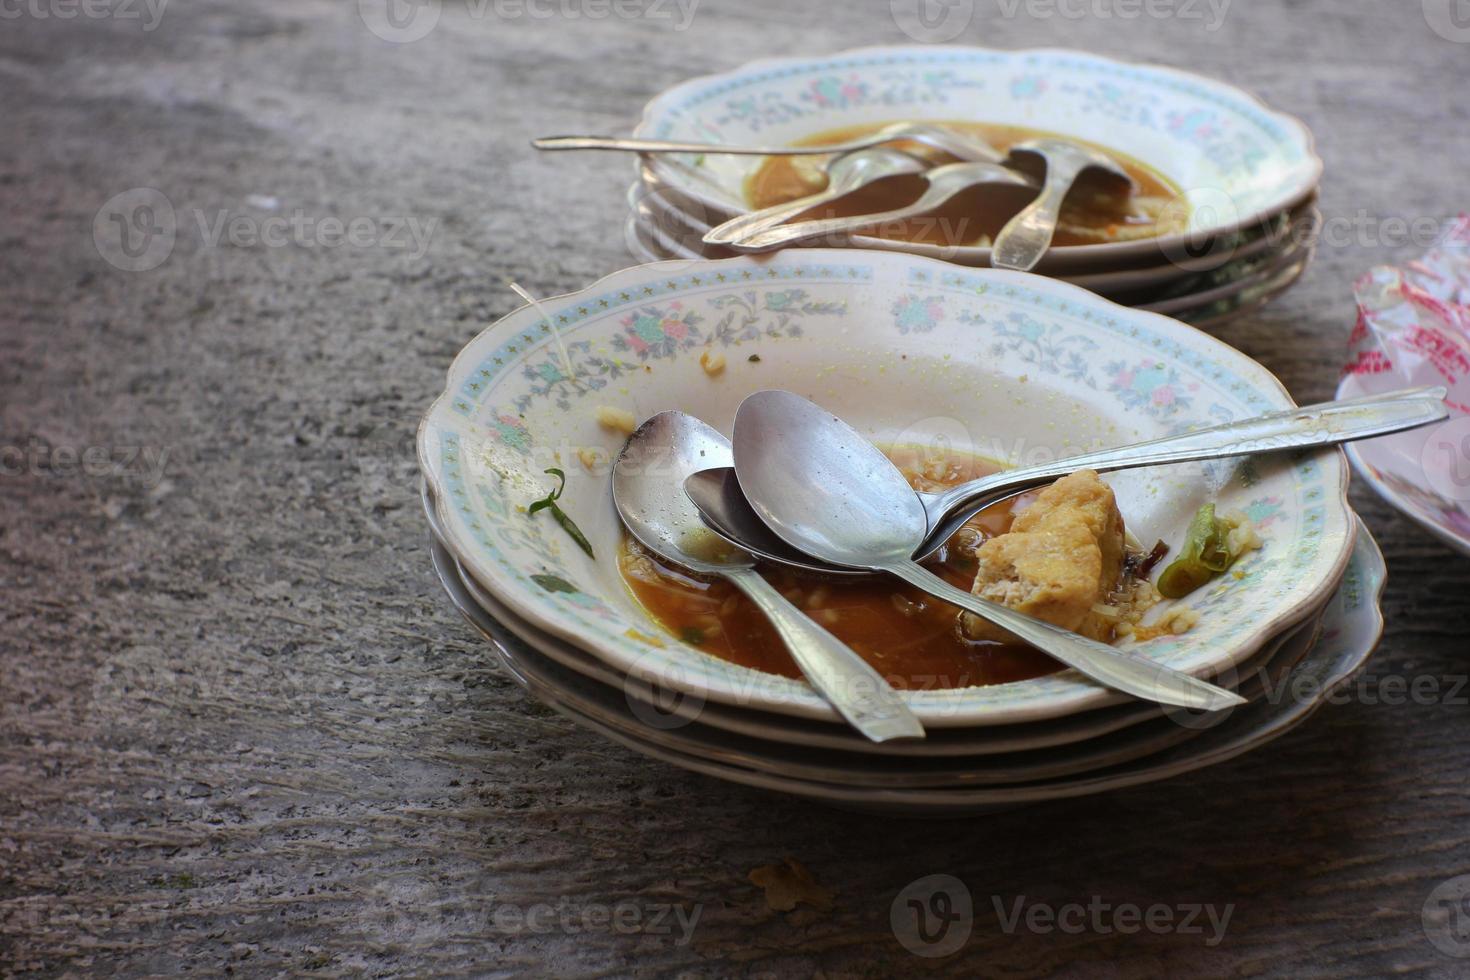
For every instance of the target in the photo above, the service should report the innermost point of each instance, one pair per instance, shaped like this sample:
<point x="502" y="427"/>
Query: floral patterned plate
<point x="1410" y="470"/>
<point x="1014" y="366"/>
<point x="1307" y="679"/>
<point x="659" y="219"/>
<point x="688" y="728"/>
<point x="1238" y="162"/>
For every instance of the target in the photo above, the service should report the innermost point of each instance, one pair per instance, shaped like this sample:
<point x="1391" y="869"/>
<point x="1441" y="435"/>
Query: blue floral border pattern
<point x="555" y="581"/>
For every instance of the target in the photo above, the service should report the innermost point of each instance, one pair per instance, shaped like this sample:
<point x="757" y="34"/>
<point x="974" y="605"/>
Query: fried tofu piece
<point x="1085" y="495"/>
<point x="1062" y="557"/>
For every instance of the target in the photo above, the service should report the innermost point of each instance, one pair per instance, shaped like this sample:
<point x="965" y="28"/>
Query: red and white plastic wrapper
<point x="1414" y="322"/>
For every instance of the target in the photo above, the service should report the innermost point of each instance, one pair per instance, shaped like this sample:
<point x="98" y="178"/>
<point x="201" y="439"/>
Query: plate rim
<point x="1285" y="201"/>
<point x="465" y="360"/>
<point x="1364" y="471"/>
<point x="973" y="799"/>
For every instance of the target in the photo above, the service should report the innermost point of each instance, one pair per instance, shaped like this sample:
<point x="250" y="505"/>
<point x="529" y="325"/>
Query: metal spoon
<point x="717" y="496"/>
<point x="648" y="480"/>
<point x="944" y="183"/>
<point x="826" y="490"/>
<point x="962" y="145"/>
<point x="845" y="174"/>
<point x="1027" y="236"/>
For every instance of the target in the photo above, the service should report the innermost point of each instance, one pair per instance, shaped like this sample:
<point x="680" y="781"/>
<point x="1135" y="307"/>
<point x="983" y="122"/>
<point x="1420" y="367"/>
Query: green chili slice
<point x="567" y="524"/>
<point x="1205" y="554"/>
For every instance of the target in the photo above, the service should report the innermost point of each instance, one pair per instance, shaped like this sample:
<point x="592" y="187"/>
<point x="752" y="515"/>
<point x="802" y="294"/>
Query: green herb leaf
<point x="549" y="503"/>
<point x="692" y="635"/>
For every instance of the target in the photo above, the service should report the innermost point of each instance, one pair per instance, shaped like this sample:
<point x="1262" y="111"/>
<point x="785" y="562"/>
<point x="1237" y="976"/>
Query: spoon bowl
<point x="944" y="183"/>
<point x="1023" y="241"/>
<point x="716" y="492"/>
<point x="846" y="173"/>
<point x="827" y="491"/>
<point x="648" y="491"/>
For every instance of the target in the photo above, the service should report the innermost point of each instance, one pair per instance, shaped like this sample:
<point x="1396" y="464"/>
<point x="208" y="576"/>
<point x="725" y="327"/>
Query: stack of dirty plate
<point x="1242" y="178"/>
<point x="911" y="351"/>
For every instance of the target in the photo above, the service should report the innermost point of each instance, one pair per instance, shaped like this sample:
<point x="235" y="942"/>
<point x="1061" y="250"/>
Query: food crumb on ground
<point x="790" y="883"/>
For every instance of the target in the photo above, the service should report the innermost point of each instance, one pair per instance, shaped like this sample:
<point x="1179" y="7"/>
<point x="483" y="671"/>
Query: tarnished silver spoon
<point x="648" y="490"/>
<point x="845" y="174"/>
<point x="717" y="495"/>
<point x="1026" y="237"/>
<point x="964" y="146"/>
<point x="944" y="184"/>
<point x="829" y="492"/>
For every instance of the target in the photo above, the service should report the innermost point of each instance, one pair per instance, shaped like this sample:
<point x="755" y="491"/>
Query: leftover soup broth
<point x="1091" y="215"/>
<point x="909" y="637"/>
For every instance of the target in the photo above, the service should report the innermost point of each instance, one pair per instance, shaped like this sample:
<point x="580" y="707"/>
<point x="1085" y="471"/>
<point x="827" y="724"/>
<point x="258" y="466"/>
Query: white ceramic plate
<point x="661" y="221"/>
<point x="1256" y="269"/>
<point x="1350" y="632"/>
<point x="907" y="349"/>
<point x="1235" y="160"/>
<point x="602" y="699"/>
<point x="1398" y="468"/>
<point x="659" y="707"/>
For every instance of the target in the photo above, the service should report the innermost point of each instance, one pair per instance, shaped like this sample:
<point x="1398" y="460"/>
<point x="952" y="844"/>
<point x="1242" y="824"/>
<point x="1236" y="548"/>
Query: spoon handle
<point x="1310" y="426"/>
<point x="1026" y="237"/>
<point x="748" y="224"/>
<point x="783" y="235"/>
<point x="676" y="146"/>
<point x="1107" y="665"/>
<point x="847" y="681"/>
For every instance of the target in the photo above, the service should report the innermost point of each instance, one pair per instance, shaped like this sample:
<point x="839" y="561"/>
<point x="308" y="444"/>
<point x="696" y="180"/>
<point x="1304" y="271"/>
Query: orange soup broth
<point x="974" y="216"/>
<point x="911" y="638"/>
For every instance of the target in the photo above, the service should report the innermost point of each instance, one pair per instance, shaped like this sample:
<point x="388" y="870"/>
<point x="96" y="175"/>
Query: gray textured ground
<point x="240" y="728"/>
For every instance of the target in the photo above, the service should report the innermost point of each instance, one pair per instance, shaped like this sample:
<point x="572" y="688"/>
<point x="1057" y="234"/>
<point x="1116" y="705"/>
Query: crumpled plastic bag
<point x="1414" y="321"/>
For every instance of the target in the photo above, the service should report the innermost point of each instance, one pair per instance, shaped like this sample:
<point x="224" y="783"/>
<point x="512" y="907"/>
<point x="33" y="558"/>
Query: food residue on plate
<point x="616" y="419"/>
<point x="1060" y="554"/>
<point x="1092" y="214"/>
<point x="712" y="363"/>
<point x="1063" y="561"/>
